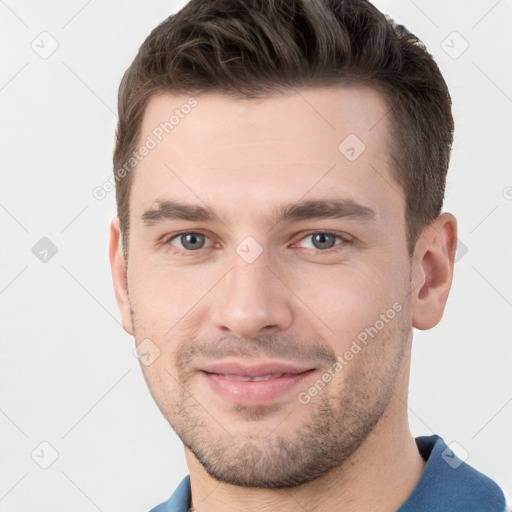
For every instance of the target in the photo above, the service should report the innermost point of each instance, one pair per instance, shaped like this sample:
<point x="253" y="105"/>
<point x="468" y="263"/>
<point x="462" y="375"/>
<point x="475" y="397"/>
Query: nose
<point x="252" y="300"/>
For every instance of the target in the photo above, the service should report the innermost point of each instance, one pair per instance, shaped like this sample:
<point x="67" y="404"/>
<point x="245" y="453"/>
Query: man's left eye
<point x="324" y="240"/>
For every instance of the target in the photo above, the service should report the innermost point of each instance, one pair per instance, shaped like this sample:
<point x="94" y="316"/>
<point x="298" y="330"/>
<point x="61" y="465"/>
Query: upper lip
<point x="255" y="369"/>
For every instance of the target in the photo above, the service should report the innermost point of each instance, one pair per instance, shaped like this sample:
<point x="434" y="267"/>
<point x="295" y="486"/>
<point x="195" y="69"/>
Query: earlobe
<point x="119" y="276"/>
<point x="433" y="265"/>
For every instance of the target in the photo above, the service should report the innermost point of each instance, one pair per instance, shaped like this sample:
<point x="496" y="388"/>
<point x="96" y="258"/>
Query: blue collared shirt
<point x="447" y="485"/>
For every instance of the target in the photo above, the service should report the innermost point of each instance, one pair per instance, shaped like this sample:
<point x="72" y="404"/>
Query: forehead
<point x="328" y="114"/>
<point x="311" y="141"/>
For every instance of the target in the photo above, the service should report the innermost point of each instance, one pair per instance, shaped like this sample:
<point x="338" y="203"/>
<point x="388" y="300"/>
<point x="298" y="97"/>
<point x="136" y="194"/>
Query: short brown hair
<point x="251" y="49"/>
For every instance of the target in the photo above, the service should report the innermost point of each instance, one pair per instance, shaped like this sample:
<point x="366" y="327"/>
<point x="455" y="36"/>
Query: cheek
<point x="163" y="384"/>
<point x="343" y="302"/>
<point x="170" y="308"/>
<point x="162" y="295"/>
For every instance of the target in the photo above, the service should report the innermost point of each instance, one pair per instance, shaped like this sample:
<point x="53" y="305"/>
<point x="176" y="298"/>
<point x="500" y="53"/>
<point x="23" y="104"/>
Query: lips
<point x="253" y="384"/>
<point x="256" y="378"/>
<point x="254" y="370"/>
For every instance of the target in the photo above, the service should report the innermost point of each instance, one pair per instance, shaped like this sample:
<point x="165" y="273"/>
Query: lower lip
<point x="254" y="392"/>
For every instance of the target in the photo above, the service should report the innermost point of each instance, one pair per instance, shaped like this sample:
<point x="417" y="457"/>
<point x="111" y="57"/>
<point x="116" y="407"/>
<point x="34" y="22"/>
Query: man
<point x="280" y="169"/>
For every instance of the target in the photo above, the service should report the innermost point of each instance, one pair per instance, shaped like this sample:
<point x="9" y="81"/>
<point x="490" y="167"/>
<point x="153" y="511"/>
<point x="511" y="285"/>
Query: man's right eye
<point x="187" y="241"/>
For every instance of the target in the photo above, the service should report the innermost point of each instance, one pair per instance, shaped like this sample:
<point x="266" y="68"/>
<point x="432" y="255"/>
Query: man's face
<point x="299" y="271"/>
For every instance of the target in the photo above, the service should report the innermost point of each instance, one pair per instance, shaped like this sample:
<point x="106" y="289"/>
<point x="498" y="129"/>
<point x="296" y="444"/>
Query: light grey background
<point x="68" y="376"/>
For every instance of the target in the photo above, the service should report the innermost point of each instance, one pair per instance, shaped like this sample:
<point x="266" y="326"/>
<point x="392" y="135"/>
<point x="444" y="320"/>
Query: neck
<point x="379" y="476"/>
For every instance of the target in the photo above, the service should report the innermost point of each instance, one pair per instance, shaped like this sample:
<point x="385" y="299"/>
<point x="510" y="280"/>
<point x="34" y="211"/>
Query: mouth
<point x="255" y="384"/>
<point x="255" y="378"/>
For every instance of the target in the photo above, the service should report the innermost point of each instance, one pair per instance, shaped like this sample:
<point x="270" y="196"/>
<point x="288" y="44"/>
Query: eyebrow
<point x="164" y="210"/>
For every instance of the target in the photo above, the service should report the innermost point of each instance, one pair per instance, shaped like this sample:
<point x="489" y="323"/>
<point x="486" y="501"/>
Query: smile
<point x="253" y="384"/>
<point x="248" y="378"/>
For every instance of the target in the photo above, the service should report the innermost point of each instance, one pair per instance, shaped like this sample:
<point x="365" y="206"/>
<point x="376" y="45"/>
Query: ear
<point x="119" y="277"/>
<point x="433" y="262"/>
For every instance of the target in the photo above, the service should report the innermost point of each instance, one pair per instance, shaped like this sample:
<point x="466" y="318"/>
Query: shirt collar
<point x="450" y="485"/>
<point x="447" y="485"/>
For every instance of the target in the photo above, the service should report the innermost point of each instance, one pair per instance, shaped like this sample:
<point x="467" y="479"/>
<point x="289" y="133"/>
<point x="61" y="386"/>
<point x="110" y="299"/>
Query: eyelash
<point x="345" y="241"/>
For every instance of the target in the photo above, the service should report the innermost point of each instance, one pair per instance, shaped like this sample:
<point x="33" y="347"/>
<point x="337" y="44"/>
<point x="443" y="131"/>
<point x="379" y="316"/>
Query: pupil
<point x="322" y="240"/>
<point x="189" y="241"/>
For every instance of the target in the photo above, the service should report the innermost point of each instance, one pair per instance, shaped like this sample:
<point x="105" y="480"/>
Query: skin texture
<point x="296" y="302"/>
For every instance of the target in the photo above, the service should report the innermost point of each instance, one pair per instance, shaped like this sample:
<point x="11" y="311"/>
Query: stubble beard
<point x="335" y="424"/>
